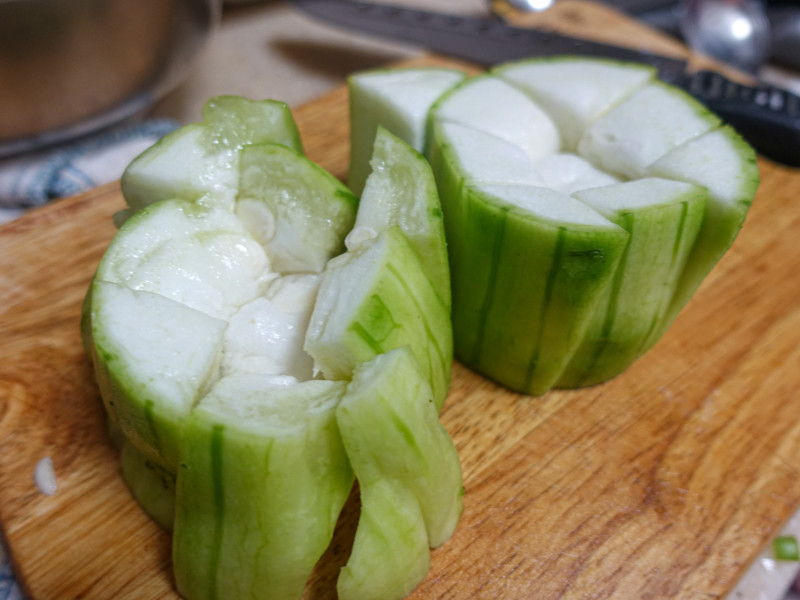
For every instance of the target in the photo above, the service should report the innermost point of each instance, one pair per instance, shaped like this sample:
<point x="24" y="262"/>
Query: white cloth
<point x="35" y="178"/>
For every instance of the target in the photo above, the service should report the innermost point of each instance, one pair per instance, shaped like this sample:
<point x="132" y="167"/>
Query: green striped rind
<point x="374" y="299"/>
<point x="150" y="485"/>
<point x="401" y="191"/>
<point x="390" y="554"/>
<point x="200" y="159"/>
<point x="397" y="99"/>
<point x="262" y="480"/>
<point x="86" y="334"/>
<point x="543" y="281"/>
<point x="115" y="435"/>
<point x="511" y="321"/>
<point x="524" y="288"/>
<point x="298" y="211"/>
<point x="152" y="358"/>
<point x="662" y="218"/>
<point x="408" y="473"/>
<point x="725" y="164"/>
<point x="391" y="430"/>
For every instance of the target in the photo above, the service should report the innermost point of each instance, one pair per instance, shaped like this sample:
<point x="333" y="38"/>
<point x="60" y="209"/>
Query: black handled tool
<point x="767" y="116"/>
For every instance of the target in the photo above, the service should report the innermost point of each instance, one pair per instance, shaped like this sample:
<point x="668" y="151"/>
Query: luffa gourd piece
<point x="262" y="480"/>
<point x="391" y="288"/>
<point x="397" y="100"/>
<point x="202" y="158"/>
<point x="408" y="472"/>
<point x="180" y="268"/>
<point x="584" y="203"/>
<point x="197" y="324"/>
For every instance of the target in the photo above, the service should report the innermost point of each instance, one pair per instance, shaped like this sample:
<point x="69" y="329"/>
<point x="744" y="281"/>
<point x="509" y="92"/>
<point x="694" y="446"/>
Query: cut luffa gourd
<point x="205" y="271"/>
<point x="493" y="143"/>
<point x="528" y="266"/>
<point x="196" y="321"/>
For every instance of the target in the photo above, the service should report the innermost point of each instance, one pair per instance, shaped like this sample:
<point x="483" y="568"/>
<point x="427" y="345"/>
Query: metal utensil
<point x="70" y="68"/>
<point x="734" y="31"/>
<point x="785" y="22"/>
<point x="738" y="32"/>
<point x="522" y="6"/>
<point x="768" y="117"/>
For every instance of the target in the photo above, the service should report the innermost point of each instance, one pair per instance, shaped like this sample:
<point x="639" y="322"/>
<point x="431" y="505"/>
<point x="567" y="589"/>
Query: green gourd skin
<point x="262" y="480"/>
<point x="408" y="472"/>
<point x="635" y="305"/>
<point x="393" y="304"/>
<point x="151" y="486"/>
<point x="531" y="317"/>
<point x="206" y="290"/>
<point x="584" y="317"/>
<point x="199" y="159"/>
<point x="524" y="289"/>
<point x="392" y="287"/>
<point x="390" y="554"/>
<point x="391" y="430"/>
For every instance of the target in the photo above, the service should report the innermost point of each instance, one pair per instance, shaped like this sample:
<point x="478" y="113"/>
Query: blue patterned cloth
<point x="33" y="179"/>
<point x="9" y="590"/>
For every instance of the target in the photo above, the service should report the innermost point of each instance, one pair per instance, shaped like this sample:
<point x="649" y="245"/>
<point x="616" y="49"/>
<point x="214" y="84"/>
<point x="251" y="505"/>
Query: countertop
<point x="267" y="49"/>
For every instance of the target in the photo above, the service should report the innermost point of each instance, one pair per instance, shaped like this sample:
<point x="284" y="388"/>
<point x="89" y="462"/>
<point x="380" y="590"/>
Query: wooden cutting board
<point x="663" y="483"/>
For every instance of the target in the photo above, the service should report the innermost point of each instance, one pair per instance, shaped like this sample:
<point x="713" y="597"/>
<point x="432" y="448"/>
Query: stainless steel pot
<point x="69" y="67"/>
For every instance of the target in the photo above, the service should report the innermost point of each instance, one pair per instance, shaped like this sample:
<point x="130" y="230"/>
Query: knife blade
<point x="767" y="116"/>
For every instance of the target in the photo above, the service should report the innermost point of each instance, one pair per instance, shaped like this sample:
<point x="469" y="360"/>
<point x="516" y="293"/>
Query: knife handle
<point x="768" y="117"/>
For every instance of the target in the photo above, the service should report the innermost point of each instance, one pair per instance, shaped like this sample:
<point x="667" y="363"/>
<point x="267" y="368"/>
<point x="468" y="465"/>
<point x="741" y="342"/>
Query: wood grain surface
<point x="663" y="483"/>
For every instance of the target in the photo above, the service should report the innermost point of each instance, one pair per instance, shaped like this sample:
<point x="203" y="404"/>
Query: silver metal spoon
<point x="785" y="21"/>
<point x="501" y="7"/>
<point x="734" y="31"/>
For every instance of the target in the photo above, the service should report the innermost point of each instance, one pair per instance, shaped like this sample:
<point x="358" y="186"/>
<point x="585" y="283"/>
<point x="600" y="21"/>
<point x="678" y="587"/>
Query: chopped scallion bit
<point x="786" y="547"/>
